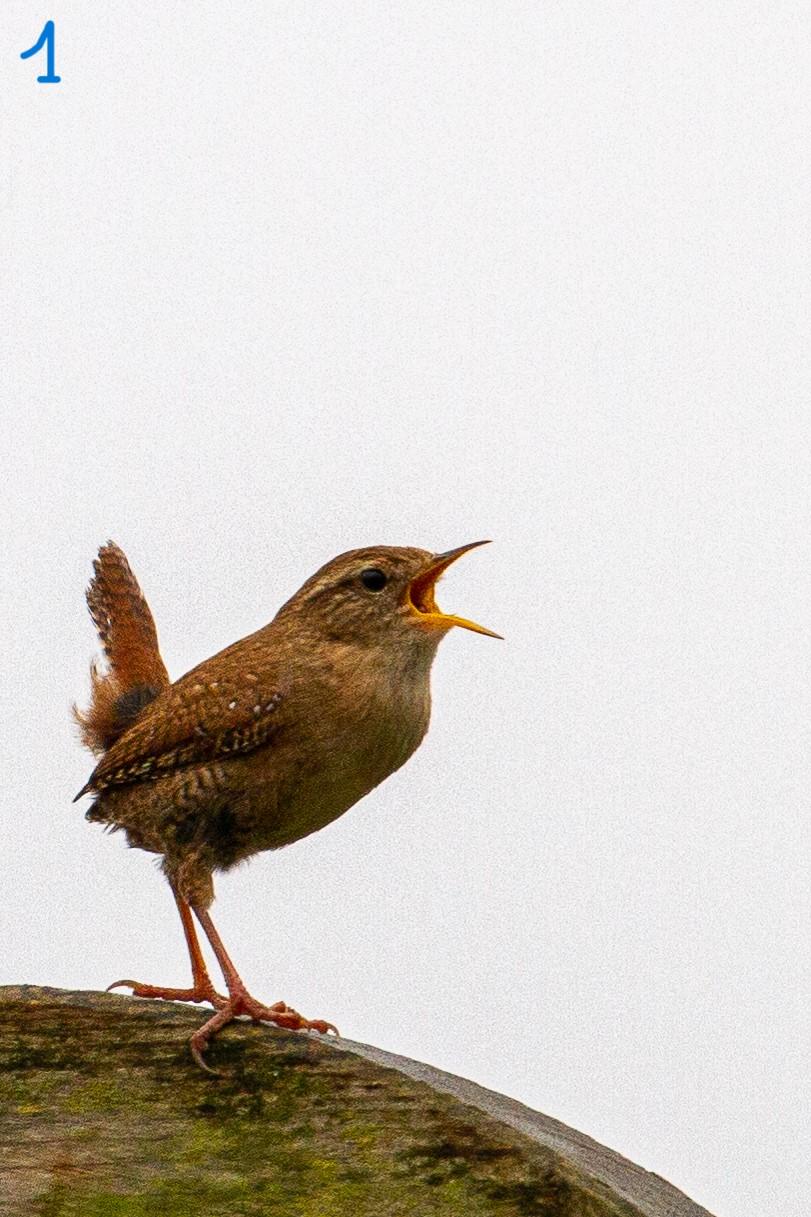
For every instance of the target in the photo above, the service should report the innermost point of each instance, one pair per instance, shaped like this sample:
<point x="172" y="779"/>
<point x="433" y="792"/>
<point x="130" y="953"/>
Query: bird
<point x="262" y="744"/>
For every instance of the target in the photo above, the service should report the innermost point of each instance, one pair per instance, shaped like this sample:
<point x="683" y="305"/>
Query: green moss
<point x="113" y="1119"/>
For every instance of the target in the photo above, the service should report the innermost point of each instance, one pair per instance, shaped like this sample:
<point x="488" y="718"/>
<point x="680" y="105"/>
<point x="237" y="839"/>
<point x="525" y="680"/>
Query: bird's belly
<point x="338" y="773"/>
<point x="312" y="805"/>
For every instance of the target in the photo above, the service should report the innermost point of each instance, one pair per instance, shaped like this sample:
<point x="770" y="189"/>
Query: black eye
<point x="373" y="580"/>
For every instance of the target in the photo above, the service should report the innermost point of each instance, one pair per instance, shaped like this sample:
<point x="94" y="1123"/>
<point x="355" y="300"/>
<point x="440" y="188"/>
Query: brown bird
<point x="263" y="743"/>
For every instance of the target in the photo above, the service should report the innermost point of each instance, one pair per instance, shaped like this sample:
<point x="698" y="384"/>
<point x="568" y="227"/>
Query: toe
<point x="318" y="1024"/>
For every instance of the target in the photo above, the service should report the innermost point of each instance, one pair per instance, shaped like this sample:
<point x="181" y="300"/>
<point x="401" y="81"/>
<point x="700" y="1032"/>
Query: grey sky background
<point x="279" y="280"/>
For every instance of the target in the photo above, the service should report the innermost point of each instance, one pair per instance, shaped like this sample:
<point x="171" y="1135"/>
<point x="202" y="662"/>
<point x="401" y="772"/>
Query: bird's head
<point x="379" y="595"/>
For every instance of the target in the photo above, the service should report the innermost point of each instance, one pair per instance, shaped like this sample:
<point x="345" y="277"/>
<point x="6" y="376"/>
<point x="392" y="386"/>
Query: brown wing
<point x="208" y="714"/>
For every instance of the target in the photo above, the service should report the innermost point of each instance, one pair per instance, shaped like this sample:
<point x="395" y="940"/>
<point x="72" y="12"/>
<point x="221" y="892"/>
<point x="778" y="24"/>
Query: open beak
<point x="420" y="594"/>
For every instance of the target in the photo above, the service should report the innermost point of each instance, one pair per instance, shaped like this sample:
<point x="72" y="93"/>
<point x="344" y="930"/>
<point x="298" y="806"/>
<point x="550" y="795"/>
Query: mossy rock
<point x="104" y="1114"/>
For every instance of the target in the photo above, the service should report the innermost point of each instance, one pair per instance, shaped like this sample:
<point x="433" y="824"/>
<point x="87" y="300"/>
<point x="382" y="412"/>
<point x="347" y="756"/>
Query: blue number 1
<point x="47" y="36"/>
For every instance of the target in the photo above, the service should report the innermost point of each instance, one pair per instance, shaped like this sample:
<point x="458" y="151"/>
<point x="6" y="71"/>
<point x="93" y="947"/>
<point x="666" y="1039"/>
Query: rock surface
<point x="103" y="1114"/>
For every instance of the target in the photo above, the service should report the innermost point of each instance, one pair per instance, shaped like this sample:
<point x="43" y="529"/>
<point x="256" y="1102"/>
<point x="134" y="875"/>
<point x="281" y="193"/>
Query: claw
<point x="198" y="993"/>
<point x="120" y="984"/>
<point x="197" y="1053"/>
<point x="318" y="1024"/>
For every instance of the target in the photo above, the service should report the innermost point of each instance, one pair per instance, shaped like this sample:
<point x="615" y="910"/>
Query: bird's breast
<point x="343" y="744"/>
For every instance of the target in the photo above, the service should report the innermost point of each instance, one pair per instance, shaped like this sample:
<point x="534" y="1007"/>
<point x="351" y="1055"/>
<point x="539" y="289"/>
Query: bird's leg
<point x="240" y="1001"/>
<point x="202" y="986"/>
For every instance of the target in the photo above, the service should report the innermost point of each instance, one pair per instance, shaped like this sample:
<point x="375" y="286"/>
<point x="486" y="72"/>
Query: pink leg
<point x="202" y="986"/>
<point x="240" y="1001"/>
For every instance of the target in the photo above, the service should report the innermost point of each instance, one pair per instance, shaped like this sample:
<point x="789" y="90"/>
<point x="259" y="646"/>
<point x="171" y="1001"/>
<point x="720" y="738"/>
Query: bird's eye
<point x="373" y="580"/>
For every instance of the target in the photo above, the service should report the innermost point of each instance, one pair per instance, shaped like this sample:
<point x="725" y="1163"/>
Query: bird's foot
<point x="241" y="1002"/>
<point x="283" y="1016"/>
<point x="201" y="992"/>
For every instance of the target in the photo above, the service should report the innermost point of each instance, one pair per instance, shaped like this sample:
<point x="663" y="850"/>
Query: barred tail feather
<point x="135" y="673"/>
